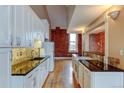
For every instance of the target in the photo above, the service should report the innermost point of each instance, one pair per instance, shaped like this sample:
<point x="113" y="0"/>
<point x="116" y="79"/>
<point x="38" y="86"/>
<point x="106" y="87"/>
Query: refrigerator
<point x="49" y="51"/>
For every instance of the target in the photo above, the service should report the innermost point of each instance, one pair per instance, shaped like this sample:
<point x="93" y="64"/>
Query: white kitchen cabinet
<point x="86" y="78"/>
<point x="19" y="33"/>
<point x="37" y="78"/>
<point x="32" y="27"/>
<point x="46" y="28"/>
<point x="28" y="26"/>
<point x="96" y="79"/>
<point x="32" y="79"/>
<point x="42" y="31"/>
<point x="29" y="82"/>
<point x="108" y="80"/>
<point x="45" y="73"/>
<point x="20" y="26"/>
<point x="36" y="29"/>
<point x="92" y="79"/>
<point x="81" y="75"/>
<point x="75" y="64"/>
<point x="41" y="76"/>
<point x="5" y="25"/>
<point x="5" y="67"/>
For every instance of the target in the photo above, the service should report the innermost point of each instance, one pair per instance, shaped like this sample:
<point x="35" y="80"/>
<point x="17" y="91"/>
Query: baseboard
<point x="63" y="57"/>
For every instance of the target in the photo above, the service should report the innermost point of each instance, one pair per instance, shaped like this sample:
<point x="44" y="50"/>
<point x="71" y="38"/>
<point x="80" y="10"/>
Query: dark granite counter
<point x="97" y="66"/>
<point x="29" y="66"/>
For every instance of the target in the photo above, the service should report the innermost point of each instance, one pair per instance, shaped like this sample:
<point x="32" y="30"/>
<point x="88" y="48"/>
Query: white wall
<point x="116" y="36"/>
<point x="41" y="11"/>
<point x="57" y="15"/>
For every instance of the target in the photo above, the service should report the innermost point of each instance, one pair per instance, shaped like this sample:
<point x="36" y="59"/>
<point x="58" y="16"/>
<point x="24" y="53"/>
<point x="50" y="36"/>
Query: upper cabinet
<point x="18" y="31"/>
<point x="5" y="26"/>
<point x="45" y="28"/>
<point x="20" y="27"/>
<point x="28" y="26"/>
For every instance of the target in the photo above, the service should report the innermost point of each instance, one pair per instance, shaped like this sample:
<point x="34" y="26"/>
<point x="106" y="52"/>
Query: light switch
<point x="121" y="52"/>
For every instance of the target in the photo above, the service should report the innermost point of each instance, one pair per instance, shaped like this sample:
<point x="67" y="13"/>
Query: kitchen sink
<point x="38" y="58"/>
<point x="85" y="58"/>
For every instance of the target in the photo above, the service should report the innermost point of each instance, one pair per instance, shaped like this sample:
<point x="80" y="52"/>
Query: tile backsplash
<point x="94" y="55"/>
<point x="113" y="61"/>
<point x="23" y="54"/>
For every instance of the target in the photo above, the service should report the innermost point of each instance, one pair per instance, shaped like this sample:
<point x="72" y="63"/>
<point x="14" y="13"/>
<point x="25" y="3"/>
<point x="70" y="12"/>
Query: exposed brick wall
<point x="97" y="42"/>
<point x="61" y="39"/>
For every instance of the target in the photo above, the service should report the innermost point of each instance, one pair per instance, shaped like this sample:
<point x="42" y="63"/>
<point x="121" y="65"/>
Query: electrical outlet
<point x="121" y="52"/>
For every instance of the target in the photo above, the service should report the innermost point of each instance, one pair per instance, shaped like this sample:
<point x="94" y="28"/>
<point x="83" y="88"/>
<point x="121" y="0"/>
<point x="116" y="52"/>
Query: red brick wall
<point x="61" y="39"/>
<point x="97" y="42"/>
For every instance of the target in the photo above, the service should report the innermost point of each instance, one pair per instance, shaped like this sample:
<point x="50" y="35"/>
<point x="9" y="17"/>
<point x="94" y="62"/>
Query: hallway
<point x="62" y="77"/>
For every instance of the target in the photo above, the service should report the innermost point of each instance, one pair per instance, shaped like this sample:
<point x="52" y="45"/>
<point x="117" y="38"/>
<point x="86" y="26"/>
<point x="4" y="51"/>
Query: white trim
<point x="63" y="57"/>
<point x="106" y="38"/>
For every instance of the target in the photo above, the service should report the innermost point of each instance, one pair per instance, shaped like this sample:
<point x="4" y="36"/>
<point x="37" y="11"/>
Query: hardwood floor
<point x="62" y="76"/>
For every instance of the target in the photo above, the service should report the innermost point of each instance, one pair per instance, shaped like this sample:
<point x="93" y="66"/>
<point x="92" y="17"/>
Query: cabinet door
<point x="31" y="81"/>
<point x="19" y="26"/>
<point x="87" y="78"/>
<point x="5" y="26"/>
<point x="5" y="67"/>
<point x="108" y="79"/>
<point x="46" y="29"/>
<point x="31" y="41"/>
<point x="73" y="63"/>
<point x="81" y="75"/>
<point x="37" y="78"/>
<point x="44" y="68"/>
<point x="28" y="26"/>
<point x="34" y="26"/>
<point x="76" y="69"/>
<point x="41" y="79"/>
<point x="42" y="31"/>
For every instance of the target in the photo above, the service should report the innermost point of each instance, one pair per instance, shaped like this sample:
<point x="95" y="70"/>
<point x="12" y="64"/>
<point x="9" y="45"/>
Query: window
<point x="73" y="44"/>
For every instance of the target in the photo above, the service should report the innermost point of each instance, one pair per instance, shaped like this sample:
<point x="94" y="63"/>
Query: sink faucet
<point x="33" y="53"/>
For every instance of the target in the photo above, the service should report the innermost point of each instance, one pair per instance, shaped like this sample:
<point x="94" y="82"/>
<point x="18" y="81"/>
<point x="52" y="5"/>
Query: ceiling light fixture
<point x="114" y="14"/>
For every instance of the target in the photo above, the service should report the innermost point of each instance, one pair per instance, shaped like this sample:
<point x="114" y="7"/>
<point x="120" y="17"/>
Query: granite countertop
<point x="97" y="66"/>
<point x="29" y="66"/>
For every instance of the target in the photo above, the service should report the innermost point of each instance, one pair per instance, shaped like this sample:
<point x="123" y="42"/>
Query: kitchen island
<point x="96" y="74"/>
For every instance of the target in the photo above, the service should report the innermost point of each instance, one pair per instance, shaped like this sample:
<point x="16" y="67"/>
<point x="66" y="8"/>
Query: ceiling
<point x="97" y="30"/>
<point x="83" y="15"/>
<point x="70" y="17"/>
<point x="57" y="15"/>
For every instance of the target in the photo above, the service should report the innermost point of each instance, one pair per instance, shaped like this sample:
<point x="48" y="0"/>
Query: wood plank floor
<point x="62" y="76"/>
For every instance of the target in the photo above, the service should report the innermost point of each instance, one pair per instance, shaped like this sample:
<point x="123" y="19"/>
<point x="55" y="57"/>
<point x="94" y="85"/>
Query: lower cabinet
<point x="5" y="69"/>
<point x="43" y="72"/>
<point x="31" y="81"/>
<point x="87" y="78"/>
<point x="81" y="73"/>
<point x="75" y="64"/>
<point x="84" y="76"/>
<point x="34" y="79"/>
<point x="92" y="79"/>
<point x="108" y="80"/>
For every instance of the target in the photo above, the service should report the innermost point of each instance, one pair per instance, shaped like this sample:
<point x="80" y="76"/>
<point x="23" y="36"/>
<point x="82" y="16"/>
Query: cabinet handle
<point x="36" y="70"/>
<point x="30" y="76"/>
